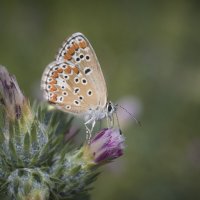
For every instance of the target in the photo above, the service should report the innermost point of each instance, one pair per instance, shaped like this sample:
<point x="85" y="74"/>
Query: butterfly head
<point x="110" y="108"/>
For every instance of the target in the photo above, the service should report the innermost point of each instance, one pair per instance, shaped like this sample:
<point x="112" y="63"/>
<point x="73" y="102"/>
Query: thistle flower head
<point x="37" y="160"/>
<point x="12" y="98"/>
<point x="105" y="146"/>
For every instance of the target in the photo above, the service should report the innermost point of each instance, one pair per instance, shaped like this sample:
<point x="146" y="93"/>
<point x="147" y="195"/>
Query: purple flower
<point x="106" y="145"/>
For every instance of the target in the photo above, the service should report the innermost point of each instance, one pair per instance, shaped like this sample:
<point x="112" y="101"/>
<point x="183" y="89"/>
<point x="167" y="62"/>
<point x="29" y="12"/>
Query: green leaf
<point x="27" y="146"/>
<point x="13" y="152"/>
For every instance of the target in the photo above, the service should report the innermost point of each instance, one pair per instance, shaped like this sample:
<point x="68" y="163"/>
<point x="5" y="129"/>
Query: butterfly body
<point x="74" y="82"/>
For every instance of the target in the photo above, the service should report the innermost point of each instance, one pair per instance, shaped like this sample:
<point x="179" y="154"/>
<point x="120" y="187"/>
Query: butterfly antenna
<point x="138" y="122"/>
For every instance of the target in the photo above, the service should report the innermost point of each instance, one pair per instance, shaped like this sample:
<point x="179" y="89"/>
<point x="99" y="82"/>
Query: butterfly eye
<point x="110" y="107"/>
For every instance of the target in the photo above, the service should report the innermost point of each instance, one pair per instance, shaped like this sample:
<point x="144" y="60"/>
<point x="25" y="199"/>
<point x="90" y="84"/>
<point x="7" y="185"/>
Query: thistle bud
<point x="105" y="146"/>
<point x="15" y="104"/>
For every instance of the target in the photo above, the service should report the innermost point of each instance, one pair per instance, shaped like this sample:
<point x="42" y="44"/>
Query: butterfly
<point x="74" y="82"/>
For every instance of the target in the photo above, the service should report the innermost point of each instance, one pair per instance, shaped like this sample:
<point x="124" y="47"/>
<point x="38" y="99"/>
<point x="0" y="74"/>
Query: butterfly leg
<point x="110" y="121"/>
<point x="89" y="130"/>
<point x="107" y="119"/>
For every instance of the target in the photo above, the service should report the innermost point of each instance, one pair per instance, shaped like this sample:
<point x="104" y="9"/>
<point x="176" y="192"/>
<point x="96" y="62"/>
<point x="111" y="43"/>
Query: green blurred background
<point x="147" y="49"/>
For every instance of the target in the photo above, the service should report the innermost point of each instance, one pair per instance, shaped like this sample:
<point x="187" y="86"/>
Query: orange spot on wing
<point x="53" y="88"/>
<point x="76" y="70"/>
<point x="55" y="75"/>
<point x="59" y="70"/>
<point x="75" y="46"/>
<point x="68" y="70"/>
<point x="53" y="98"/>
<point x="53" y="82"/>
<point x="71" y="50"/>
<point x="67" y="56"/>
<point x="82" y="44"/>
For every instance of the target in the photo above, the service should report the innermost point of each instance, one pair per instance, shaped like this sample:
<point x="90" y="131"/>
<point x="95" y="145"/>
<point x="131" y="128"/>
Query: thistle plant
<point x="36" y="160"/>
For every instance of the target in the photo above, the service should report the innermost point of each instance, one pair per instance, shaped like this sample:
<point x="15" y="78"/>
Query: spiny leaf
<point x="27" y="187"/>
<point x="92" y="177"/>
<point x="33" y="135"/>
<point x="64" y="150"/>
<point x="2" y="138"/>
<point x="75" y="170"/>
<point x="27" y="145"/>
<point x="11" y="131"/>
<point x="59" y="170"/>
<point x="13" y="152"/>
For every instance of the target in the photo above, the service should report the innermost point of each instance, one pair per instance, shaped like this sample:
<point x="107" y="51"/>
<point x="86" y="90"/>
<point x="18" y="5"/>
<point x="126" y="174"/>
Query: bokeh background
<point x="150" y="55"/>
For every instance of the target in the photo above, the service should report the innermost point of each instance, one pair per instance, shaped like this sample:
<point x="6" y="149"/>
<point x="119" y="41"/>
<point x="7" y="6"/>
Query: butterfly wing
<point x="68" y="88"/>
<point x="78" y="50"/>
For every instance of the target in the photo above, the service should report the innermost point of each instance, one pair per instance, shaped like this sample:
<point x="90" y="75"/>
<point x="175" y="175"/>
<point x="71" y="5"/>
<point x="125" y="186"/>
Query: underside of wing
<point x="78" y="50"/>
<point x="68" y="88"/>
